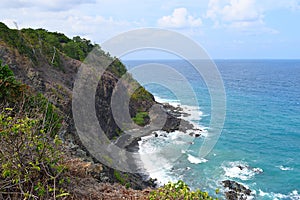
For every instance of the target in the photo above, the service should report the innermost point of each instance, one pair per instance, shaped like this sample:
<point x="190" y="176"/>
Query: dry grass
<point x="84" y="187"/>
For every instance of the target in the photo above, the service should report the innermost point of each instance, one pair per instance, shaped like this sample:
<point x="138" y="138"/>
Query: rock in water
<point x="235" y="190"/>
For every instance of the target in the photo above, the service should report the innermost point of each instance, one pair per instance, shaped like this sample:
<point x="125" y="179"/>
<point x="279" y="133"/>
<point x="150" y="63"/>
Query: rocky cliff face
<point x="56" y="82"/>
<point x="49" y="62"/>
<point x="47" y="67"/>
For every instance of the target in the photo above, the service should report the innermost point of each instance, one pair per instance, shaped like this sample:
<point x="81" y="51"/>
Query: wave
<point x="294" y="195"/>
<point x="159" y="151"/>
<point x="195" y="160"/>
<point x="192" y="114"/>
<point x="283" y="168"/>
<point x="240" y="170"/>
<point x="172" y="102"/>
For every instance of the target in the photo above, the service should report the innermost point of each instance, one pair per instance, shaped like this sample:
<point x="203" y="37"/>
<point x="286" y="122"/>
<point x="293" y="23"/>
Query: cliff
<point x="48" y="63"/>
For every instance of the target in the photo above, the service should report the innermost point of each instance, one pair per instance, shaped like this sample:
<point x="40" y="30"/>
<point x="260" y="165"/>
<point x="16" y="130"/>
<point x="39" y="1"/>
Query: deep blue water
<point x="262" y="126"/>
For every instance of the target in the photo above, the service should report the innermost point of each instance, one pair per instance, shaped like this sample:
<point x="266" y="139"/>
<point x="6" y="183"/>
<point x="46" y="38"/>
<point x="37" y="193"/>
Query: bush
<point x="10" y="89"/>
<point x="178" y="191"/>
<point x="30" y="157"/>
<point x="141" y="94"/>
<point x="140" y="118"/>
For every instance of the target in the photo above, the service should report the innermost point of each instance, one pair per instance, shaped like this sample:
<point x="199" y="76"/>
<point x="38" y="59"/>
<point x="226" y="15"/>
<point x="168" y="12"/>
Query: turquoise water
<point x="261" y="131"/>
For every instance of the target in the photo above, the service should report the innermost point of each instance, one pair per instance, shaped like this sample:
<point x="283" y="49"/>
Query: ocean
<point x="260" y="143"/>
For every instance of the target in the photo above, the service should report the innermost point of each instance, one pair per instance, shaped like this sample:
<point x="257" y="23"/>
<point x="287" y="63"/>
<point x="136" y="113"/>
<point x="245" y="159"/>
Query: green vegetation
<point x="179" y="190"/>
<point x="78" y="48"/>
<point x="30" y="156"/>
<point x="127" y="185"/>
<point x="142" y="101"/>
<point x="10" y="89"/>
<point x="141" y="94"/>
<point x="119" y="177"/>
<point x="117" y="68"/>
<point x="41" y="45"/>
<point x="122" y="178"/>
<point x="14" y="39"/>
<point x="140" y="118"/>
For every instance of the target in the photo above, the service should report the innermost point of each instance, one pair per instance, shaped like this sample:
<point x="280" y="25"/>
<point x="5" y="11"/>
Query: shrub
<point x="30" y="159"/>
<point x="178" y="191"/>
<point x="119" y="177"/>
<point x="140" y="118"/>
<point x="30" y="156"/>
<point x="141" y="94"/>
<point x="10" y="89"/>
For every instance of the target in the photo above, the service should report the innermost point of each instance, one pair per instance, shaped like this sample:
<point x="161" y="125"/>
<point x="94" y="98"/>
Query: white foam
<point x="294" y="195"/>
<point x="257" y="170"/>
<point x="157" y="154"/>
<point x="240" y="170"/>
<point x="177" y="139"/>
<point x="193" y="113"/>
<point x="172" y="102"/>
<point x="195" y="160"/>
<point x="283" y="168"/>
<point x="189" y="113"/>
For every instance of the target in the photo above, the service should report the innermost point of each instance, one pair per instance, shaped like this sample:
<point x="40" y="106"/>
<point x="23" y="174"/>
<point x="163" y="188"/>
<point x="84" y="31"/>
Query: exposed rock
<point x="197" y="135"/>
<point x="235" y="191"/>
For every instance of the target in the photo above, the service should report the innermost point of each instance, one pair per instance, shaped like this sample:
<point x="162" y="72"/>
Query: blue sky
<point x="226" y="29"/>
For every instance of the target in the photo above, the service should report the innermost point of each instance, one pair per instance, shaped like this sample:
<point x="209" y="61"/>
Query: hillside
<point x="44" y="66"/>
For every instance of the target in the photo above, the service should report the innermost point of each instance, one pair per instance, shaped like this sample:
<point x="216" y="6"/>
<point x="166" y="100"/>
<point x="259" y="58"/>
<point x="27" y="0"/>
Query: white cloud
<point x="70" y="22"/>
<point x="233" y="10"/>
<point x="180" y="18"/>
<point x="243" y="15"/>
<point x="55" y="5"/>
<point x="98" y="27"/>
<point x="241" y="10"/>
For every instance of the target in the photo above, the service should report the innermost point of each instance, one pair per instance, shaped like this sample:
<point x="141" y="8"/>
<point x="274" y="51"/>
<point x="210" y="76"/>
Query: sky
<point x="226" y="29"/>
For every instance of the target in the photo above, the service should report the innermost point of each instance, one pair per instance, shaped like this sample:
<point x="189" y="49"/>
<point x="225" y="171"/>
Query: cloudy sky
<point x="225" y="28"/>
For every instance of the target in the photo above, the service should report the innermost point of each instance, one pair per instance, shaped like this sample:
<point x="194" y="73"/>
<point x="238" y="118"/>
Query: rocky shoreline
<point x="232" y="189"/>
<point x="173" y="123"/>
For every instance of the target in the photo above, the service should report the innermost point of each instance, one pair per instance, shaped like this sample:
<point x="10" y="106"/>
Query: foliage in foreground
<point x="178" y="191"/>
<point x="29" y="155"/>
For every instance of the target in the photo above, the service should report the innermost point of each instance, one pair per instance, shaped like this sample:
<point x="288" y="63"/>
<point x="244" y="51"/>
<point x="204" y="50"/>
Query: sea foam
<point x="240" y="170"/>
<point x="195" y="160"/>
<point x="294" y="195"/>
<point x="159" y="151"/>
<point x="284" y="168"/>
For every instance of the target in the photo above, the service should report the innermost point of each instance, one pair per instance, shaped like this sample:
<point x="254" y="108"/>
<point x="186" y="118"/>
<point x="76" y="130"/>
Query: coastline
<point x="232" y="189"/>
<point x="176" y="121"/>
